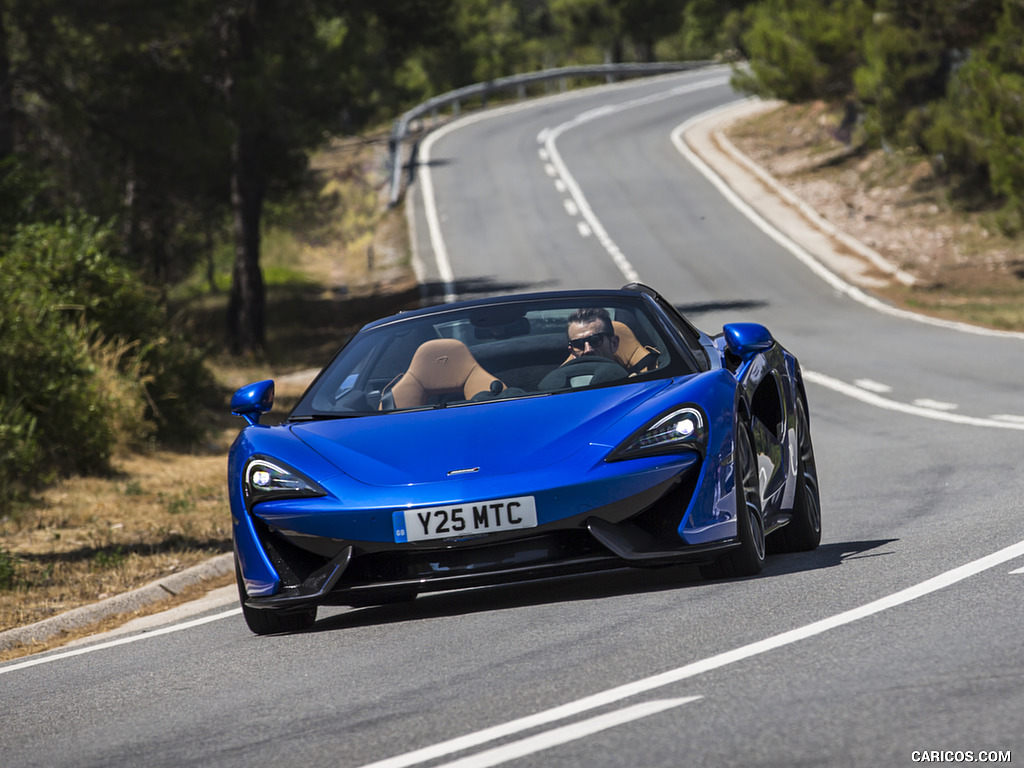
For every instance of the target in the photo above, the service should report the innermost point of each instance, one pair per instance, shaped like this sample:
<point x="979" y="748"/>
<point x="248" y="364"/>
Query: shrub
<point x="86" y="364"/>
<point x="53" y="416"/>
<point x="21" y="451"/>
<point x="179" y="382"/>
<point x="8" y="570"/>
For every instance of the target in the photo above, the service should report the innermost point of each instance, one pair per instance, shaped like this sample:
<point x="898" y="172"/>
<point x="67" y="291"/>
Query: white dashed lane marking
<point x="870" y="392"/>
<point x="873" y="386"/>
<point x="554" y="167"/>
<point x="1010" y="417"/>
<point x="937" y="405"/>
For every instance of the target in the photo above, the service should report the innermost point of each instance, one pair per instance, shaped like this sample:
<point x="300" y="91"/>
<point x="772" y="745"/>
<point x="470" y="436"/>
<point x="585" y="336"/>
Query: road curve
<point x="898" y="636"/>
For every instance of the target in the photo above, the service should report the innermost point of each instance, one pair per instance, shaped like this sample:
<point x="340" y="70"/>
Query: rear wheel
<point x="803" y="533"/>
<point x="748" y="558"/>
<point x="271" y="621"/>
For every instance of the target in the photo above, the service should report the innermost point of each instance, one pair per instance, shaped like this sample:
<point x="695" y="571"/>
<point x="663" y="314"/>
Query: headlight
<point x="683" y="429"/>
<point x="265" y="479"/>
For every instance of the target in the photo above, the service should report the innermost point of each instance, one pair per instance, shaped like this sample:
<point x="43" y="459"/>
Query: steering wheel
<point x="584" y="371"/>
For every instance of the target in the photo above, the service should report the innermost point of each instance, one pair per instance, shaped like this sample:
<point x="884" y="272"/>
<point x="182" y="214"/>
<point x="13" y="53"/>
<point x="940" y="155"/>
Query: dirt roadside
<point x="941" y="260"/>
<point x="878" y="221"/>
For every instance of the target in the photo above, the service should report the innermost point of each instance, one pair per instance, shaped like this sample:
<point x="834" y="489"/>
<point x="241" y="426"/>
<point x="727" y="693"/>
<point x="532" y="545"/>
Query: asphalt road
<point x="898" y="639"/>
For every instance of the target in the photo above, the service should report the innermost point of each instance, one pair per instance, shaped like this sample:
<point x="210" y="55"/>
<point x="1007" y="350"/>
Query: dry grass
<point x="335" y="260"/>
<point x="186" y="595"/>
<point x="89" y="538"/>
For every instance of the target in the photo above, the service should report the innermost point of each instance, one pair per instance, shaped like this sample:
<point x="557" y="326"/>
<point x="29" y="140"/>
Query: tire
<point x="803" y="532"/>
<point x="748" y="558"/>
<point x="269" y="621"/>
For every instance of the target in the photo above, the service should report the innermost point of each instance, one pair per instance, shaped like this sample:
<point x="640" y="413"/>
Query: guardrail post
<point x="395" y="153"/>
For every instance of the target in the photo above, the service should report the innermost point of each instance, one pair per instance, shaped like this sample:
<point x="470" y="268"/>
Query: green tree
<point x="584" y="23"/>
<point x="283" y="80"/>
<point x="109" y="112"/>
<point x="618" y="29"/>
<point x="710" y="28"/>
<point x="645" y="22"/>
<point x="800" y="50"/>
<point x="978" y="129"/>
<point x="6" y="94"/>
<point x="909" y="53"/>
<point x="171" y="116"/>
<point x="489" y="38"/>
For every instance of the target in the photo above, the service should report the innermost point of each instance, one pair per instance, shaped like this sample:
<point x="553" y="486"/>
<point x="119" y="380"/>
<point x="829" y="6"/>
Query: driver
<point x="591" y="333"/>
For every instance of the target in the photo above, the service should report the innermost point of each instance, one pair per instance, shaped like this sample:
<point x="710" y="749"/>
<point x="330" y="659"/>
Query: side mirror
<point x="252" y="400"/>
<point x="747" y="339"/>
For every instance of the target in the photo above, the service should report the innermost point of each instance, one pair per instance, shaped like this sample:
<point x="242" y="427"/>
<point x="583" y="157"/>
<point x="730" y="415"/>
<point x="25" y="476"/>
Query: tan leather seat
<point x="631" y="354"/>
<point x="439" y="367"/>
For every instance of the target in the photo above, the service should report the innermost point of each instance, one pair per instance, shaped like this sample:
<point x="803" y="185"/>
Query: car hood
<point x="485" y="439"/>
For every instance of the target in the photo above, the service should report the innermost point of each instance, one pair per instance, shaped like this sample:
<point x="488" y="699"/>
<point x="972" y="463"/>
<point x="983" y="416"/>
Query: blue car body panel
<point x="351" y="474"/>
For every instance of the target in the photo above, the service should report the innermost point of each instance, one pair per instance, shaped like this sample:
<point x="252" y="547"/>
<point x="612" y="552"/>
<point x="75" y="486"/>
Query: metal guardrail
<point x="519" y="82"/>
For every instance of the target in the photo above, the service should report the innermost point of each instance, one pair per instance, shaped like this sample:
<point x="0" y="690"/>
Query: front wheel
<point x="803" y="533"/>
<point x="270" y="621"/>
<point x="748" y="558"/>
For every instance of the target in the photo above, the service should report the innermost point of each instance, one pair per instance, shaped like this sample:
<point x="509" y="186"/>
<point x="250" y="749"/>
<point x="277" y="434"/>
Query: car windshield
<point x="493" y="352"/>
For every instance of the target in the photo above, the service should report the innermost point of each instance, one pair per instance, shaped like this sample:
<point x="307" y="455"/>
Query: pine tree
<point x="799" y="50"/>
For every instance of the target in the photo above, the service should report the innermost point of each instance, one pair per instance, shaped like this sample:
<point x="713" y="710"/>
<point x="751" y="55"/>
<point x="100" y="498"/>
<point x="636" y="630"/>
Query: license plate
<point x="465" y="519"/>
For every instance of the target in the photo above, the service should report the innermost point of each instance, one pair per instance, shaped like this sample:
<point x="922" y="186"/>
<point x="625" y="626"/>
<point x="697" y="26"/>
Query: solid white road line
<point x="803" y="255"/>
<point x="1013" y="418"/>
<point x="444" y="266"/>
<point x="872" y="398"/>
<point x="566" y="734"/>
<point x="612" y="695"/>
<point x="120" y="641"/>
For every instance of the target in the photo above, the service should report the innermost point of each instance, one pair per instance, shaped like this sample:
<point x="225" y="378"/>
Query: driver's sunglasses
<point x="594" y="341"/>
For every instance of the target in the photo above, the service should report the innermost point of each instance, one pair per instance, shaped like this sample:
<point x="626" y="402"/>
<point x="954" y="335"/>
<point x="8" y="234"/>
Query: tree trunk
<point x="246" y="322"/>
<point x="246" y="308"/>
<point x="6" y="96"/>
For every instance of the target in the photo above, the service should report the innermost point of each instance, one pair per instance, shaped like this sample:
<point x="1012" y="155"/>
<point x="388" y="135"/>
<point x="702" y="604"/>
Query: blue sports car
<point x="520" y="437"/>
